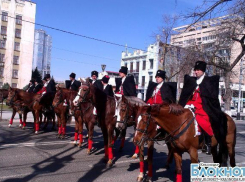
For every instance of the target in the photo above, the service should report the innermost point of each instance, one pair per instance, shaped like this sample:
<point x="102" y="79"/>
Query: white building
<point x="143" y="65"/>
<point x="16" y="42"/>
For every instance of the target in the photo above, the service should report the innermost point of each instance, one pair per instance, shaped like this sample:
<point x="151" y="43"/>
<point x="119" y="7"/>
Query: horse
<point x="105" y="106"/>
<point x="28" y="101"/>
<point x="3" y="95"/>
<point x="62" y="112"/>
<point x="132" y="107"/>
<point x="179" y="123"/>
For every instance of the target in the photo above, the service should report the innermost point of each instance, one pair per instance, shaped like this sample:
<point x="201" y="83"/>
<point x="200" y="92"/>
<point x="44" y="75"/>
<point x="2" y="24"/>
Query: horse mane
<point x="135" y="101"/>
<point x="175" y="109"/>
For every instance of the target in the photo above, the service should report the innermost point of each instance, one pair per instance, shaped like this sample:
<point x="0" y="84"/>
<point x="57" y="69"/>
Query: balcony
<point x="134" y="71"/>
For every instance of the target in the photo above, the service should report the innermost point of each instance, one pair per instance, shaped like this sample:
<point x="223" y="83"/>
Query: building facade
<point x="16" y="42"/>
<point x="42" y="52"/>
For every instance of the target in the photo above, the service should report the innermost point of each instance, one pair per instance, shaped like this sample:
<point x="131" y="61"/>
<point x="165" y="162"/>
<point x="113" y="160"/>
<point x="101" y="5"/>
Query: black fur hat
<point x="161" y="74"/>
<point x="105" y="79"/>
<point x="200" y="65"/>
<point x="94" y="73"/>
<point x="44" y="78"/>
<point x="73" y="75"/>
<point x="124" y="70"/>
<point x="47" y="76"/>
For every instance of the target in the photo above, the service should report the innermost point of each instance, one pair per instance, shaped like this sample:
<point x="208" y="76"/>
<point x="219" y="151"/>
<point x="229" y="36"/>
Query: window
<point x="137" y="67"/>
<point x="14" y="85"/>
<point x="17" y="46"/>
<point x="1" y="72"/>
<point x="144" y="64"/>
<point x="16" y="60"/>
<point x="125" y="64"/>
<point x="151" y="63"/>
<point x="136" y="80"/>
<point x="2" y="44"/>
<point x="18" y="19"/>
<point x="151" y="77"/>
<point x="4" y="16"/>
<point x="2" y="58"/>
<point x="3" y="30"/>
<point x="143" y="81"/>
<point x="15" y="73"/>
<point x="18" y="33"/>
<point x="131" y="67"/>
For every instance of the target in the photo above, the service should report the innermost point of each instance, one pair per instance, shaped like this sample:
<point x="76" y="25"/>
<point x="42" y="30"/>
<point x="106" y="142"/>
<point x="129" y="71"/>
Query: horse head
<point x="12" y="96"/>
<point x="85" y="93"/>
<point x="3" y="94"/>
<point x="58" y="98"/>
<point x="123" y="112"/>
<point x="72" y="106"/>
<point x="146" y="127"/>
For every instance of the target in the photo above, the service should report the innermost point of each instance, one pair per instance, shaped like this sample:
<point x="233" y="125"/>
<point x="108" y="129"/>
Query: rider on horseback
<point x="31" y="86"/>
<point x="38" y="86"/>
<point x="107" y="88"/>
<point x="161" y="92"/>
<point x="202" y="93"/>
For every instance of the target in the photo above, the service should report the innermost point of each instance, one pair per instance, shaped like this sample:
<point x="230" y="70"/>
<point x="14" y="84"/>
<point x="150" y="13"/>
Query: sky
<point x="130" y="22"/>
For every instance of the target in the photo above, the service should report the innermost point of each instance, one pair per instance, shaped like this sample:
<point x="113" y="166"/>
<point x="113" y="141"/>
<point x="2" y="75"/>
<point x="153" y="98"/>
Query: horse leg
<point x="80" y="131"/>
<point x="53" y="118"/>
<point x="76" y="131"/>
<point x="62" y="123"/>
<point x="123" y="135"/>
<point x="64" y="127"/>
<point x="12" y="118"/>
<point x="90" y="136"/>
<point x="45" y="121"/>
<point x="141" y="155"/>
<point x="178" y="167"/>
<point x="105" y="136"/>
<point x="37" y="121"/>
<point x="170" y="156"/>
<point x="117" y="131"/>
<point x="150" y="160"/>
<point x="194" y="155"/>
<point x="110" y="139"/>
<point x="24" y="123"/>
<point x="20" y="116"/>
<point x="231" y="142"/>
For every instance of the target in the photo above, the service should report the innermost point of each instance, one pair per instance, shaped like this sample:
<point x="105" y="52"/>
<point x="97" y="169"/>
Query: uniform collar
<point x="199" y="80"/>
<point x="123" y="79"/>
<point x="104" y="86"/>
<point x="159" y="85"/>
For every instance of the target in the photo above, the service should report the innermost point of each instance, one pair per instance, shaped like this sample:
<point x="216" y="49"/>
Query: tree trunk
<point x="228" y="91"/>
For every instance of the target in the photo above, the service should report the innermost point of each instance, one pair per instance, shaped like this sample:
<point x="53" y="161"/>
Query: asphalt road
<point x="25" y="156"/>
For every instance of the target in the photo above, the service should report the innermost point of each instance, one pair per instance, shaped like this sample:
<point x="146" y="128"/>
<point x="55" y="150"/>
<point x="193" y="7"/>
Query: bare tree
<point x="229" y="36"/>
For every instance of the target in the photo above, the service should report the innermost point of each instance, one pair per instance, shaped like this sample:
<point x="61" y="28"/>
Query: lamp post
<point x="103" y="66"/>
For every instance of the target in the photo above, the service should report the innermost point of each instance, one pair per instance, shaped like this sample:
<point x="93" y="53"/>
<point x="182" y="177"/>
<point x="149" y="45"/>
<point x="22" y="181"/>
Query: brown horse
<point x="105" y="106"/>
<point x="62" y="112"/>
<point x="133" y="106"/>
<point x="179" y="123"/>
<point x="30" y="102"/>
<point x="3" y="95"/>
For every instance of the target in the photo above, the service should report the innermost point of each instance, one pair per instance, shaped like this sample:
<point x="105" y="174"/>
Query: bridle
<point x="60" y="99"/>
<point x="144" y="137"/>
<point x="84" y="96"/>
<point x="124" y="122"/>
<point x="169" y="138"/>
<point x="11" y="102"/>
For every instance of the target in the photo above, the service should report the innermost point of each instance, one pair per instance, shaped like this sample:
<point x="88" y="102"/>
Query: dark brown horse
<point x="105" y="106"/>
<point x="179" y="123"/>
<point x="62" y="112"/>
<point x="132" y="107"/>
<point x="30" y="102"/>
<point x="3" y="95"/>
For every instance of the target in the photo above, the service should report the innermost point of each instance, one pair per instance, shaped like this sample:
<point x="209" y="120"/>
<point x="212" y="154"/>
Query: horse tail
<point x="223" y="153"/>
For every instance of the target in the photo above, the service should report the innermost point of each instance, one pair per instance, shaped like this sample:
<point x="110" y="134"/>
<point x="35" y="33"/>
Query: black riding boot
<point x="208" y="144"/>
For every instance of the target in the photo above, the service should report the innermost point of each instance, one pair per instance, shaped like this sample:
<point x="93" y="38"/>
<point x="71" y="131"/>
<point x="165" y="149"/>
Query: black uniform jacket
<point x="74" y="86"/>
<point x="108" y="90"/>
<point x="168" y="91"/>
<point x="129" y="88"/>
<point x="37" y="88"/>
<point x="209" y="91"/>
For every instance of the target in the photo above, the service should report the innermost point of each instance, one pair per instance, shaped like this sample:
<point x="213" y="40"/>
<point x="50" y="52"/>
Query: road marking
<point x="25" y="174"/>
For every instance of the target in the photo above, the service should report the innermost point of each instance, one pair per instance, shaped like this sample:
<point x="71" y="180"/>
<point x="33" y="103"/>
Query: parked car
<point x="233" y="111"/>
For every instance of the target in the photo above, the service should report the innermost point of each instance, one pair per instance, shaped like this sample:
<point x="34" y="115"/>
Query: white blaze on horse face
<point x="118" y="107"/>
<point x="75" y="101"/>
<point x="139" y="118"/>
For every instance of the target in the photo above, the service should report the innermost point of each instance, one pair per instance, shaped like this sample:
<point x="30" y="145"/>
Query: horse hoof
<point x="75" y="143"/>
<point x="23" y="128"/>
<point x="135" y="156"/>
<point x="109" y="163"/>
<point x="10" y="125"/>
<point x="139" y="179"/>
<point x="36" y="132"/>
<point x="20" y="125"/>
<point x="88" y="151"/>
<point x="79" y="145"/>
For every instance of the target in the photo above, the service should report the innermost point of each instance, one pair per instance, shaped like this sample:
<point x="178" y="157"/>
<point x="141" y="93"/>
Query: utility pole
<point x="239" y="94"/>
